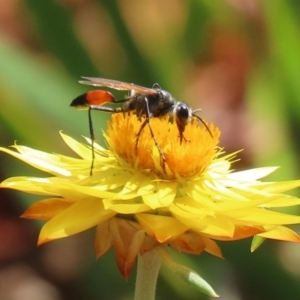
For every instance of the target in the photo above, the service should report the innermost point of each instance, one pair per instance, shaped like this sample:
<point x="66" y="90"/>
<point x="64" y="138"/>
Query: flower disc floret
<point x="182" y="160"/>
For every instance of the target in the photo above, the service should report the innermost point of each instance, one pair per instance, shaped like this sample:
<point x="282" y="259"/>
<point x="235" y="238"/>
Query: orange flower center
<point x="173" y="159"/>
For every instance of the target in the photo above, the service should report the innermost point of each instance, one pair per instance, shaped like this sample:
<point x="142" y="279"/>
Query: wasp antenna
<point x="198" y="109"/>
<point x="202" y="122"/>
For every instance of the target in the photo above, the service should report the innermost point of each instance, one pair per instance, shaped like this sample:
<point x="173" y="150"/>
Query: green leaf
<point x="195" y="279"/>
<point x="256" y="242"/>
<point x="186" y="274"/>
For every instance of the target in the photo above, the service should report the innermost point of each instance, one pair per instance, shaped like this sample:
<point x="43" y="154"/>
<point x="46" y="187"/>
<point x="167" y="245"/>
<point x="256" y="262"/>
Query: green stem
<point x="147" y="273"/>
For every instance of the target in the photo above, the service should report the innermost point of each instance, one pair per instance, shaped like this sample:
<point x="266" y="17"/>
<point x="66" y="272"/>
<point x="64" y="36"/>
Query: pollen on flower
<point x="185" y="159"/>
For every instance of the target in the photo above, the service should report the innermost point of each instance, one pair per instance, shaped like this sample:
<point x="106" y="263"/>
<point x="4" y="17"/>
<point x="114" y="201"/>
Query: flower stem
<point x="147" y="273"/>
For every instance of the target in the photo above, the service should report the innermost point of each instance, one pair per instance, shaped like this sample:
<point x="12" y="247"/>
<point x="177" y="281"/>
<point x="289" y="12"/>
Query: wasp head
<point x="183" y="115"/>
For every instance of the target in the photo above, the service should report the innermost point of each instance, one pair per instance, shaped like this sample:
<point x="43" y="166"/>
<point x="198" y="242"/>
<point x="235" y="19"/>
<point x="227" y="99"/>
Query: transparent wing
<point x="117" y="85"/>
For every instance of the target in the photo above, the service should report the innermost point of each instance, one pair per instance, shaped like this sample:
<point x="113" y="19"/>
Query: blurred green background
<point x="237" y="60"/>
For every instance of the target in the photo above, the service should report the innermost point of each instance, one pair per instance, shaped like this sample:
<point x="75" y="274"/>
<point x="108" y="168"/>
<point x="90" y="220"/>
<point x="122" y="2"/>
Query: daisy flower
<point x="140" y="203"/>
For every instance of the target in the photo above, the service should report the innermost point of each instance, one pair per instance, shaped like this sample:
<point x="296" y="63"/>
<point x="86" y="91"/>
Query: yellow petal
<point x="212" y="247"/>
<point x="240" y="232"/>
<point x="186" y="207"/>
<point x="208" y="222"/>
<point x="125" y="207"/>
<point x="213" y="226"/>
<point x="282" y="201"/>
<point x="92" y="191"/>
<point x="38" y="159"/>
<point x="38" y="186"/>
<point x="161" y="227"/>
<point x="127" y="240"/>
<point x="46" y="209"/>
<point x="278" y="187"/>
<point x="251" y="175"/>
<point x="189" y="242"/>
<point x="162" y="196"/>
<point x="281" y="233"/>
<point x="262" y="216"/>
<point x="133" y="182"/>
<point x="238" y="205"/>
<point x="80" y="216"/>
<point x="80" y="149"/>
<point x="103" y="240"/>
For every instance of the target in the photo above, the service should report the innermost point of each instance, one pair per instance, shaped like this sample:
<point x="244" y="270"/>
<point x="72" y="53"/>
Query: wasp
<point x="144" y="102"/>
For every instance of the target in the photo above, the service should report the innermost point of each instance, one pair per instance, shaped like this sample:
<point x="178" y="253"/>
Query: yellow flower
<point x="139" y="201"/>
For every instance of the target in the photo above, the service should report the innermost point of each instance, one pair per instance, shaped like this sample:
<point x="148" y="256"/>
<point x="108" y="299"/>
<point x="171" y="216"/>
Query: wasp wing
<point x="117" y="85"/>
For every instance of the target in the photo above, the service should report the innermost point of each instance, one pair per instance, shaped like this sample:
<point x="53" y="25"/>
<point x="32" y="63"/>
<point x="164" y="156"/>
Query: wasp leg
<point x="182" y="137"/>
<point x="147" y="121"/>
<point x="92" y="135"/>
<point x="122" y="110"/>
<point x="181" y="128"/>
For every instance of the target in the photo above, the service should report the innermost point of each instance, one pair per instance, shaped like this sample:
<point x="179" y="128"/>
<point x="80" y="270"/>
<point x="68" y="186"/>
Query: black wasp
<point x="148" y="102"/>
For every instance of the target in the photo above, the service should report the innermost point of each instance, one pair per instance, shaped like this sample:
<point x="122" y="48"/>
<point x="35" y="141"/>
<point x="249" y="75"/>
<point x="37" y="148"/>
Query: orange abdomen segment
<point x="95" y="98"/>
<point x="99" y="97"/>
